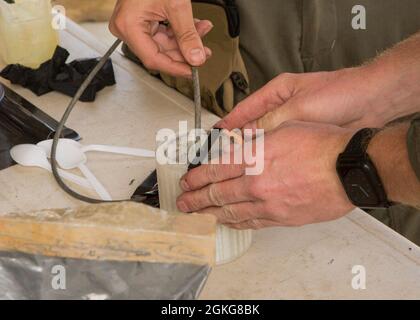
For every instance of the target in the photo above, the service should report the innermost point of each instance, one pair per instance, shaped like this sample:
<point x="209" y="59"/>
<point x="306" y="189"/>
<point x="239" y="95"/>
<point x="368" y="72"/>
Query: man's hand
<point x="348" y="98"/>
<point x="299" y="184"/>
<point x="170" y="49"/>
<point x="368" y="96"/>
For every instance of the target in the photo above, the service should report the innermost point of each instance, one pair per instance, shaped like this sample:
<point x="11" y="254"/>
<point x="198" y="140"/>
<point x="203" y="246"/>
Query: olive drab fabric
<point x="298" y="36"/>
<point x="223" y="78"/>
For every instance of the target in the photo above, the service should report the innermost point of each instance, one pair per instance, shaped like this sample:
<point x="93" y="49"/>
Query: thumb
<point x="259" y="104"/>
<point x="276" y="117"/>
<point x="181" y="19"/>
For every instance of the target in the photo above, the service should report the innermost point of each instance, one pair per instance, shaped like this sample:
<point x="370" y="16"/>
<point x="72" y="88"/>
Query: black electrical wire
<point x="63" y="121"/>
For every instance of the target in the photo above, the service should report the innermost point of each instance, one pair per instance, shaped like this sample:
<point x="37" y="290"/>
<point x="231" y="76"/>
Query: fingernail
<point x="197" y="56"/>
<point x="209" y="27"/>
<point x="182" y="206"/>
<point x="209" y="54"/>
<point x="185" y="186"/>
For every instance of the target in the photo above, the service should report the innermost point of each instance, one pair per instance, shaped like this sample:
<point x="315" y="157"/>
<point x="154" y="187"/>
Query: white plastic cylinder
<point x="26" y="32"/>
<point x="230" y="243"/>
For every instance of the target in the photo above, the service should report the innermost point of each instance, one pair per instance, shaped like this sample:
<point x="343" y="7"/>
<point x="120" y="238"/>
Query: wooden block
<point x="122" y="231"/>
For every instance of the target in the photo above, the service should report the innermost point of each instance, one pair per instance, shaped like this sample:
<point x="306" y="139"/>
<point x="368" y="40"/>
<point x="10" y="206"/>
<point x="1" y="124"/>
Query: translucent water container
<point x="230" y="243"/>
<point x="26" y="32"/>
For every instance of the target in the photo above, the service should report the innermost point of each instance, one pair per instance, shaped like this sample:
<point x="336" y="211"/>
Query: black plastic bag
<point x="21" y="122"/>
<point x="56" y="75"/>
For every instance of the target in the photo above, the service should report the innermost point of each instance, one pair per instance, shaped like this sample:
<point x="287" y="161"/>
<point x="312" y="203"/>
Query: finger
<point x="215" y="195"/>
<point x="254" y="224"/>
<point x="250" y="109"/>
<point x="165" y="42"/>
<point x="181" y="18"/>
<point x="177" y="56"/>
<point x="271" y="120"/>
<point x="203" y="27"/>
<point x="211" y="173"/>
<point x="164" y="36"/>
<point x="155" y="27"/>
<point x="208" y="52"/>
<point x="235" y="213"/>
<point x="142" y="44"/>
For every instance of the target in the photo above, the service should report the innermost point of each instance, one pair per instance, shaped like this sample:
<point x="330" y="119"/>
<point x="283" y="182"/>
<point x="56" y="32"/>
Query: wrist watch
<point x="358" y="173"/>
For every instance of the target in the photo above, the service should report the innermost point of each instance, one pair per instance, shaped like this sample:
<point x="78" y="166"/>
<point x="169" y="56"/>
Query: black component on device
<point x="204" y="152"/>
<point x="56" y="75"/>
<point x="21" y="122"/>
<point x="148" y="191"/>
<point x="358" y="173"/>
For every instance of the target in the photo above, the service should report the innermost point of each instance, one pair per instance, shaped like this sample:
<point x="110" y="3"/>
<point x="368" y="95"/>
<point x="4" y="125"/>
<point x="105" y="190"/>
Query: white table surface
<point x="311" y="262"/>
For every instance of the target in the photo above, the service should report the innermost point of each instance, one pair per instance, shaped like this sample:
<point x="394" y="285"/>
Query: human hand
<point x="171" y="49"/>
<point x="299" y="184"/>
<point x="352" y="98"/>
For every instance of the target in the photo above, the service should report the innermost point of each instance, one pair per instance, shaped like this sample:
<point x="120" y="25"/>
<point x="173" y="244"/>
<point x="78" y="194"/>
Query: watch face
<point x="359" y="188"/>
<point x="358" y="173"/>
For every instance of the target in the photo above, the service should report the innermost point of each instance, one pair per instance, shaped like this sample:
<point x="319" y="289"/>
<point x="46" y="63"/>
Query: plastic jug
<point x="26" y="33"/>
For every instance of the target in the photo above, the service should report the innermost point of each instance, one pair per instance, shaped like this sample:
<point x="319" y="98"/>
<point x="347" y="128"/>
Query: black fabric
<point x="56" y="75"/>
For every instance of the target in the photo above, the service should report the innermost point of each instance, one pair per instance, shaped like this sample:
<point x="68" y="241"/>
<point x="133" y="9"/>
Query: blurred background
<point x="93" y="15"/>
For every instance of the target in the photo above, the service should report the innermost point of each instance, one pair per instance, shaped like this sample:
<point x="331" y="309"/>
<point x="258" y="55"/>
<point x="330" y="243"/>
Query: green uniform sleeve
<point x="413" y="143"/>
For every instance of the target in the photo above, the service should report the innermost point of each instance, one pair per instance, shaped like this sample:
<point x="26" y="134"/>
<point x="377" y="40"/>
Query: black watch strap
<point x="359" y="143"/>
<point x="358" y="173"/>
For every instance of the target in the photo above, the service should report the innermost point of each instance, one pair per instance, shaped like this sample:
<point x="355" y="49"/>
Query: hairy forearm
<point x="388" y="150"/>
<point x="395" y="76"/>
